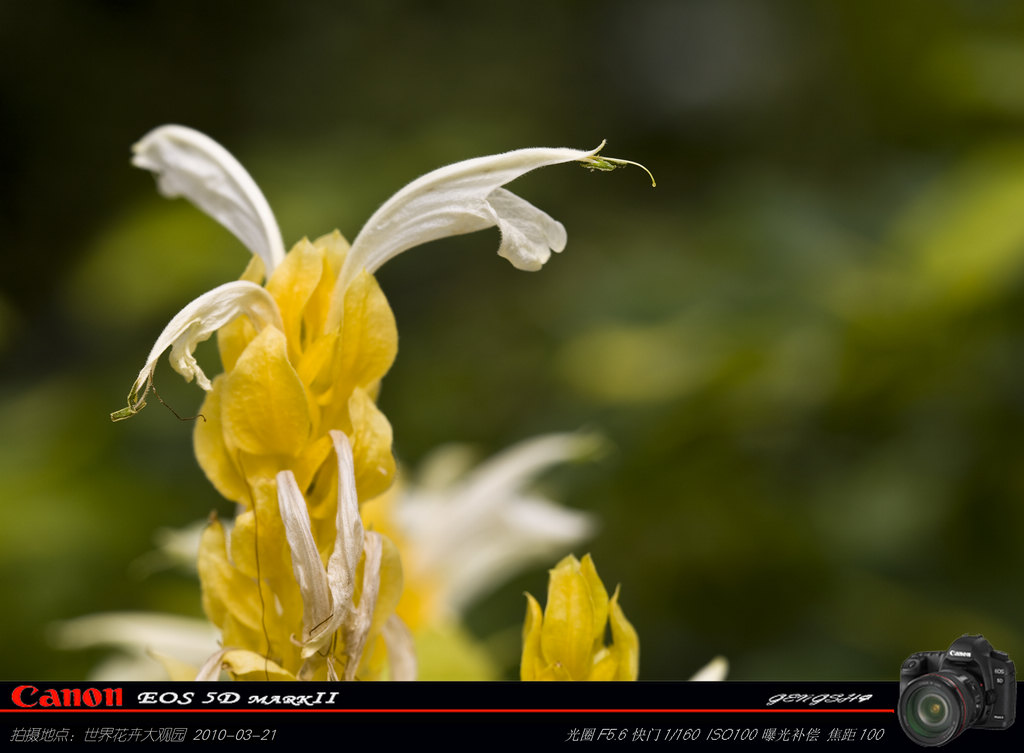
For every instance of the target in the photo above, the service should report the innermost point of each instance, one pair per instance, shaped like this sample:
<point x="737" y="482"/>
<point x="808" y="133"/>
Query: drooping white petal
<point x="401" y="651"/>
<point x="327" y="593"/>
<point x="191" y="164"/>
<point x="528" y="235"/>
<point x="457" y="199"/>
<point x="348" y="544"/>
<point x="306" y="564"/>
<point x="194" y="324"/>
<point x="359" y="620"/>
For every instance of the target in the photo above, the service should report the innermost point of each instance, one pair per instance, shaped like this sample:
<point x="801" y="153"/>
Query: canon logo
<point x="29" y="696"/>
<point x="961" y="654"/>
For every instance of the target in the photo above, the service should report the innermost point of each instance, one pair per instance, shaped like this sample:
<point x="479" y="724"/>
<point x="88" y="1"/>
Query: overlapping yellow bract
<point x="272" y="409"/>
<point x="566" y="642"/>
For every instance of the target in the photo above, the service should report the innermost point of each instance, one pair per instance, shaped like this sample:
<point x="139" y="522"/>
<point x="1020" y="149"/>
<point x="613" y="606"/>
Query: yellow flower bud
<point x="567" y="642"/>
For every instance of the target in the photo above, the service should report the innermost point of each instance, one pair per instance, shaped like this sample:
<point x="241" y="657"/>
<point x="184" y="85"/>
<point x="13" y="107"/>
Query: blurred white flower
<point x="468" y="531"/>
<point x="150" y="645"/>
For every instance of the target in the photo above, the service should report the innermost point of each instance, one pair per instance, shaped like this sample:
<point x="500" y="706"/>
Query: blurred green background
<point x="805" y="345"/>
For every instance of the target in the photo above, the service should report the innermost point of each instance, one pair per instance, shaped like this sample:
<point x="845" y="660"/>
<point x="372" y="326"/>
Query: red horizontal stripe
<point x="263" y="710"/>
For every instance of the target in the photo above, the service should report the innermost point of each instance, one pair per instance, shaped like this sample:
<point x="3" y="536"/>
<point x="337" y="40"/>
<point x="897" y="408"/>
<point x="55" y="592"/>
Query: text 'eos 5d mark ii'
<point x="942" y="693"/>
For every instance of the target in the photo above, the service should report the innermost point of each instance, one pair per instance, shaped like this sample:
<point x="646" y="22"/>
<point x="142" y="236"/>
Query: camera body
<point x="942" y="693"/>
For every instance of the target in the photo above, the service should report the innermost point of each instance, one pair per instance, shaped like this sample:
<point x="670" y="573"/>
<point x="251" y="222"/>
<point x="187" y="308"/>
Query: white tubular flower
<point x="190" y="164"/>
<point x="463" y="198"/>
<point x="475" y="532"/>
<point x="194" y="324"/>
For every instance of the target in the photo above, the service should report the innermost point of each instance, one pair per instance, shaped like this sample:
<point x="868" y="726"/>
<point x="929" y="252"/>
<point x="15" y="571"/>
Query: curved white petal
<point x="528" y="235"/>
<point x="327" y="592"/>
<point x="457" y="199"/>
<point x="191" y="164"/>
<point x="194" y="324"/>
<point x="348" y="545"/>
<point x="306" y="564"/>
<point x="359" y="620"/>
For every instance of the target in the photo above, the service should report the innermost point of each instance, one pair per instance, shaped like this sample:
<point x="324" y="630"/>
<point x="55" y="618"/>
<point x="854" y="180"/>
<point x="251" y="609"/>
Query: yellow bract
<point x="566" y="642"/>
<point x="283" y="391"/>
<point x="272" y="409"/>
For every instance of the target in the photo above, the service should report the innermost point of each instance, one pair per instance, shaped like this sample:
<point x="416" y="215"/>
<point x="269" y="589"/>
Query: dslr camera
<point x="942" y="693"/>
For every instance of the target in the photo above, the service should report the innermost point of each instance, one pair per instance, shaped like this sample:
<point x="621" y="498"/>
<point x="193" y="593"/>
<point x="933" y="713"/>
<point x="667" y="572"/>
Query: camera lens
<point x="937" y="707"/>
